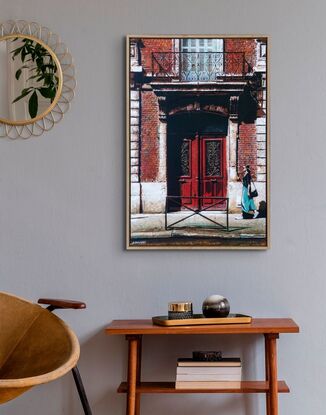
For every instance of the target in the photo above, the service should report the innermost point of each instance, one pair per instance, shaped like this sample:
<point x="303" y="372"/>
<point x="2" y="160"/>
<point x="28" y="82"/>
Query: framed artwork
<point x="197" y="142"/>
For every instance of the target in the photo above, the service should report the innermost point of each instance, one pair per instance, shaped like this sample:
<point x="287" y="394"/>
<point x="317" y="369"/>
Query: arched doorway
<point x="197" y="160"/>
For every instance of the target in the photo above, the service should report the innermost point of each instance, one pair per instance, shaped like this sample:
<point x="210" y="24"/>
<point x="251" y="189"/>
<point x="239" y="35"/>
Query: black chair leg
<point x="81" y="391"/>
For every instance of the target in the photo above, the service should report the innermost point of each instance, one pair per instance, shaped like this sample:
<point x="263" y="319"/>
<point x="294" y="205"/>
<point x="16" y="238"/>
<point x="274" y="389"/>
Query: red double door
<point x="203" y="172"/>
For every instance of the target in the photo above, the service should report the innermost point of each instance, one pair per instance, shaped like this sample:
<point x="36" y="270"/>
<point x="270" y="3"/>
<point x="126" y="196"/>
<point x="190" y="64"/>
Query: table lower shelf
<point x="169" y="387"/>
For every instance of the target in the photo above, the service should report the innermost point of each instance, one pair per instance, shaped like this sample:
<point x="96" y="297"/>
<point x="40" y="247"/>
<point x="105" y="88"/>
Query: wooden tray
<point x="199" y="319"/>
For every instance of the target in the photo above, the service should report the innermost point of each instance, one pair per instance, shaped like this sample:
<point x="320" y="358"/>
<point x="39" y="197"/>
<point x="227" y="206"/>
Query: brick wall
<point x="154" y="45"/>
<point x="247" y="150"/>
<point x="149" y="137"/>
<point x="233" y="61"/>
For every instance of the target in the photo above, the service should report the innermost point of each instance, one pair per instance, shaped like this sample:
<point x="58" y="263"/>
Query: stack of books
<point x="222" y="374"/>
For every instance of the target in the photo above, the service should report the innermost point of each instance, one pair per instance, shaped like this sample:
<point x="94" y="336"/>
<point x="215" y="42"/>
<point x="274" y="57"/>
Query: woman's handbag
<point x="253" y="191"/>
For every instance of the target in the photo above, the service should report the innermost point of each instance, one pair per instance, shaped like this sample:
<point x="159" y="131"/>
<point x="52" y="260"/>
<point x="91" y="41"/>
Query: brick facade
<point x="247" y="148"/>
<point x="246" y="46"/>
<point x="149" y="122"/>
<point x="154" y="45"/>
<point x="149" y="137"/>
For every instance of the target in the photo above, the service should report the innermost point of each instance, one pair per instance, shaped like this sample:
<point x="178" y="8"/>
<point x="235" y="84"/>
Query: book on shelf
<point x="211" y="370"/>
<point x="204" y="377"/>
<point x="226" y="361"/>
<point x="223" y="374"/>
<point x="208" y="385"/>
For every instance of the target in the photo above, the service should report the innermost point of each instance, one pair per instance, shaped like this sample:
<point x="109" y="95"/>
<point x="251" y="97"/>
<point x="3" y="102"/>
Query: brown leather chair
<point x="36" y="346"/>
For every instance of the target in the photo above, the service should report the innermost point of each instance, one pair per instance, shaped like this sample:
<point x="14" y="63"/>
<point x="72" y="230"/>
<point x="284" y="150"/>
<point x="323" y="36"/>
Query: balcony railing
<point x="199" y="66"/>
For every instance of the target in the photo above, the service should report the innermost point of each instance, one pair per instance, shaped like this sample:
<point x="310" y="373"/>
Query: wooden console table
<point x="134" y="330"/>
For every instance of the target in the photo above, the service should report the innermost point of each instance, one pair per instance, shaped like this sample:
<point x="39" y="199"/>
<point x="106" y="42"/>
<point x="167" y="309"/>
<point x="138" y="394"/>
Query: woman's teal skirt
<point x="247" y="203"/>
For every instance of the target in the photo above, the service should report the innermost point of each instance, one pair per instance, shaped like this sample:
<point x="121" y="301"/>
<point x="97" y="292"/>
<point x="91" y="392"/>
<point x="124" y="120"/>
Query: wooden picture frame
<point x="197" y="142"/>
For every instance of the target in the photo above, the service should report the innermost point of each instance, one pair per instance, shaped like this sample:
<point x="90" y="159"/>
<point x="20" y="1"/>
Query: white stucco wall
<point x="62" y="210"/>
<point x="4" y="110"/>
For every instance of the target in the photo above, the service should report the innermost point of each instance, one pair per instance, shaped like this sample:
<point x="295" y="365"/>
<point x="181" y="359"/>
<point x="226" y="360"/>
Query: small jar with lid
<point x="179" y="310"/>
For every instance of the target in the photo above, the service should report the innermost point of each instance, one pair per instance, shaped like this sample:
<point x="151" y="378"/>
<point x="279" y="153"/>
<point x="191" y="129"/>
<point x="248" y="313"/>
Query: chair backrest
<point x="35" y="345"/>
<point x="17" y="316"/>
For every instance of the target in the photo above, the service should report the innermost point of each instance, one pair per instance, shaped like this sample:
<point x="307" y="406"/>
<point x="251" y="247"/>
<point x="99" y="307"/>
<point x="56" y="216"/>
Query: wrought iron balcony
<point x="199" y="66"/>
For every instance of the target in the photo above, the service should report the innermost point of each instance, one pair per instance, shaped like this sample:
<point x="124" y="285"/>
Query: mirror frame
<point x="57" y="96"/>
<point x="67" y="82"/>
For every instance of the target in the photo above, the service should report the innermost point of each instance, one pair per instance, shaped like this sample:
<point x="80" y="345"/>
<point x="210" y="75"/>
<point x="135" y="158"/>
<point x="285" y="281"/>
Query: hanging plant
<point x="42" y="69"/>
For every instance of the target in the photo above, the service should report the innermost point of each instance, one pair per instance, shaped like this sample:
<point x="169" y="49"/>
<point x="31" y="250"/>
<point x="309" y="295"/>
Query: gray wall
<point x="62" y="209"/>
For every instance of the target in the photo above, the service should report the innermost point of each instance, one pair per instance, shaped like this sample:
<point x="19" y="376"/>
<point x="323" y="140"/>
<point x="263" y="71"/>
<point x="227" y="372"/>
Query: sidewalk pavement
<point x="185" y="224"/>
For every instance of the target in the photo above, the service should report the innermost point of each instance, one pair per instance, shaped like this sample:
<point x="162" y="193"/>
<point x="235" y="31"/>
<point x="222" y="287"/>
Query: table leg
<point x="138" y="380"/>
<point x="267" y="375"/>
<point x="132" y="373"/>
<point x="272" y="372"/>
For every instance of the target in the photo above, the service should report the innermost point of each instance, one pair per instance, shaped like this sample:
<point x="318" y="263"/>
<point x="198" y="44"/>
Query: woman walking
<point x="247" y="201"/>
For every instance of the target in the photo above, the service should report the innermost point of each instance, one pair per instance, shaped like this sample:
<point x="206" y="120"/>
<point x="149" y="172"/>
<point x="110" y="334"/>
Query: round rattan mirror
<point x="37" y="79"/>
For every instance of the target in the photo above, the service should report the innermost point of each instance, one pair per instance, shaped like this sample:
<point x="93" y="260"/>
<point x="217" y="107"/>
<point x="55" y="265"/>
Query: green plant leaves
<point x="33" y="105"/>
<point x="42" y="69"/>
<point x="48" y="93"/>
<point x="16" y="52"/>
<point x="18" y="73"/>
<point x="25" y="92"/>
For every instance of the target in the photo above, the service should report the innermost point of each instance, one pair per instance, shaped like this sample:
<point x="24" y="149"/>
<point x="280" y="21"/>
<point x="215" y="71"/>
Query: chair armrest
<point x="59" y="303"/>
